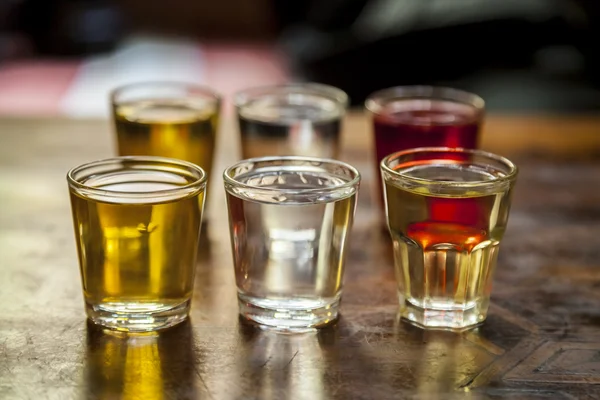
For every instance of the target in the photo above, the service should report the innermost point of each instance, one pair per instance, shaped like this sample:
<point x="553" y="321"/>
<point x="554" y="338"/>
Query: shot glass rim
<point x="91" y="190"/>
<point x="228" y="180"/>
<point x="203" y="89"/>
<point x="241" y="97"/>
<point x="423" y="182"/>
<point x="375" y="102"/>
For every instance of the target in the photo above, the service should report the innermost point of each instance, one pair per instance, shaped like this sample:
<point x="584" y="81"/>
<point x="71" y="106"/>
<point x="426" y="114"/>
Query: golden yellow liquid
<point x="183" y="129"/>
<point x="137" y="256"/>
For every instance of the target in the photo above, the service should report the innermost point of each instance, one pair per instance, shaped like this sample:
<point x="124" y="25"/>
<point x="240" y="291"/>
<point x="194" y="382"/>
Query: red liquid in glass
<point x="406" y="124"/>
<point x="411" y="123"/>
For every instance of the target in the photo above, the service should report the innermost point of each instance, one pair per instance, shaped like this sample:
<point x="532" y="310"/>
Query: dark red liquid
<point x="411" y="123"/>
<point x="407" y="124"/>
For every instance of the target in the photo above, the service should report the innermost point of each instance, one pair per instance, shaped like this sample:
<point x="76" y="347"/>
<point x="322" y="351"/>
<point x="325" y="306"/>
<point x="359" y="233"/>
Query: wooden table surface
<point x="541" y="339"/>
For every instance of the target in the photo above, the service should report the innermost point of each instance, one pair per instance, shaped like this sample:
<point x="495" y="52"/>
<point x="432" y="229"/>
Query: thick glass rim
<point x="242" y="97"/>
<point x="377" y="101"/>
<point x="249" y="163"/>
<point x="199" y="89"/>
<point x="161" y="164"/>
<point x="449" y="186"/>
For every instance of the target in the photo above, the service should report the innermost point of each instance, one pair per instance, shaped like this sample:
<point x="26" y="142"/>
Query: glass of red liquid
<point x="406" y="117"/>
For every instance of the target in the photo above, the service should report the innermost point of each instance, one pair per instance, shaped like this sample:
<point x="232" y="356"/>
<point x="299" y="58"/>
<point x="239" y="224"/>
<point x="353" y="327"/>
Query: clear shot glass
<point x="303" y="119"/>
<point x="290" y="220"/>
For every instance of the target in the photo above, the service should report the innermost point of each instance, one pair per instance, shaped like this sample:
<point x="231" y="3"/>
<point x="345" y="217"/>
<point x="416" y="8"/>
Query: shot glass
<point x="290" y="218"/>
<point x="406" y="117"/>
<point x="137" y="224"/>
<point x="446" y="216"/>
<point x="167" y="119"/>
<point x="302" y="119"/>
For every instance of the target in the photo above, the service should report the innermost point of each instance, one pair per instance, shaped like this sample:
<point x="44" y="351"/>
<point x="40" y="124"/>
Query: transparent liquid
<point x="308" y="126"/>
<point x="289" y="252"/>
<point x="137" y="257"/>
<point x="183" y="129"/>
<point x="445" y="248"/>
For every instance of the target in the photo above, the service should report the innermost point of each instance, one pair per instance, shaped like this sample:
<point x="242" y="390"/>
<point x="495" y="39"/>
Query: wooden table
<point x="541" y="340"/>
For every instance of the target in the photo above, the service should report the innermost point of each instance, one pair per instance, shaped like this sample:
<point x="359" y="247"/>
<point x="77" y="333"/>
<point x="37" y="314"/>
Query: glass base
<point x="456" y="320"/>
<point x="289" y="315"/>
<point x="137" y="317"/>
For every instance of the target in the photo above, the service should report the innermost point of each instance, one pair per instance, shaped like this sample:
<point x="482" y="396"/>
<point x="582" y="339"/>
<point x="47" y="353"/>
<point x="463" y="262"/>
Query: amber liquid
<point x="136" y="256"/>
<point x="181" y="129"/>
<point x="446" y="247"/>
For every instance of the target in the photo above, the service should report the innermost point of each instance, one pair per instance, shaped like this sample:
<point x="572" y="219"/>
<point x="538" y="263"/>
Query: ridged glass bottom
<point x="137" y="317"/>
<point x="444" y="318"/>
<point x="289" y="315"/>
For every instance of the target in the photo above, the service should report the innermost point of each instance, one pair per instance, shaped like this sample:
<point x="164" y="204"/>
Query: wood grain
<point x="541" y="340"/>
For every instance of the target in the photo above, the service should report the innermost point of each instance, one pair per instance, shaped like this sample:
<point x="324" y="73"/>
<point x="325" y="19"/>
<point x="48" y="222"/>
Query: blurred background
<point x="62" y="57"/>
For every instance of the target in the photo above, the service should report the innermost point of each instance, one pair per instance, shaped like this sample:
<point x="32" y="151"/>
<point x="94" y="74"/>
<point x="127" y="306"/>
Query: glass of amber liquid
<point x="167" y="119"/>
<point x="406" y="117"/>
<point x="447" y="211"/>
<point x="137" y="224"/>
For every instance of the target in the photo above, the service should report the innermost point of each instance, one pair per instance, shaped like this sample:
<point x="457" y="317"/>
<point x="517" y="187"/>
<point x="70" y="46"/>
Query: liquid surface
<point x="303" y="126"/>
<point x="135" y="255"/>
<point x="290" y="256"/>
<point x="181" y="129"/>
<point x="322" y="187"/>
<point x="452" y="171"/>
<point x="445" y="249"/>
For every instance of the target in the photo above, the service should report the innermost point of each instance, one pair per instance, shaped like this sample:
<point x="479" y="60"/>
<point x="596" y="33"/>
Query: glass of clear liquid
<point x="303" y="119"/>
<point x="290" y="219"/>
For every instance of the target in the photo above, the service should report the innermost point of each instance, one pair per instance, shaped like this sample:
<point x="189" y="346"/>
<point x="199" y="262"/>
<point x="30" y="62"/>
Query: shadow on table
<point x="147" y="366"/>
